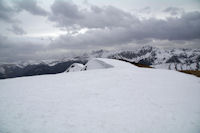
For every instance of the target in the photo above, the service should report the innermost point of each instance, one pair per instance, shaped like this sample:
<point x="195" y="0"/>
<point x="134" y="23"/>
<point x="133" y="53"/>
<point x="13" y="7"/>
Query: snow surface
<point x="121" y="99"/>
<point x="97" y="64"/>
<point x="92" y="64"/>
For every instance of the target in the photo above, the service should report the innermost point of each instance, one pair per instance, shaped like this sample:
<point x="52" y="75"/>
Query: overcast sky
<point x="47" y="29"/>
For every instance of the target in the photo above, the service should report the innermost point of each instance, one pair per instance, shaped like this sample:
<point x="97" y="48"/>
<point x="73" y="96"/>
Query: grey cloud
<point x="183" y="29"/>
<point x="66" y="9"/>
<point x="67" y="14"/>
<point x="187" y="27"/>
<point x="107" y="17"/>
<point x="107" y="27"/>
<point x="130" y="30"/>
<point x="94" y="38"/>
<point x="17" y="30"/>
<point x="174" y="10"/>
<point x="31" y="6"/>
<point x="15" y="50"/>
<point x="6" y="12"/>
<point x="146" y="10"/>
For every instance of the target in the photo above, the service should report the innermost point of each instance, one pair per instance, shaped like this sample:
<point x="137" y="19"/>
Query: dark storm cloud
<point x="6" y="12"/>
<point x="67" y="14"/>
<point x="111" y="26"/>
<point x="187" y="27"/>
<point x="66" y="9"/>
<point x="31" y="6"/>
<point x="94" y="38"/>
<point x="17" y="30"/>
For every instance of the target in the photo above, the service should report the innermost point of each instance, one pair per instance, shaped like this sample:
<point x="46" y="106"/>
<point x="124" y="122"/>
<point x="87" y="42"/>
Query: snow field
<point x="122" y="98"/>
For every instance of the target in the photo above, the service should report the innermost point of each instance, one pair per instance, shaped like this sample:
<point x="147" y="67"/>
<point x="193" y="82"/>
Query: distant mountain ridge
<point x="18" y="70"/>
<point x="175" y="59"/>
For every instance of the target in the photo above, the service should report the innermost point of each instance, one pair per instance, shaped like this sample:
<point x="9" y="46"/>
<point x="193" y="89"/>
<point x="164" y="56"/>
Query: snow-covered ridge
<point x="99" y="63"/>
<point x="122" y="98"/>
<point x="175" y="59"/>
<point x="91" y="64"/>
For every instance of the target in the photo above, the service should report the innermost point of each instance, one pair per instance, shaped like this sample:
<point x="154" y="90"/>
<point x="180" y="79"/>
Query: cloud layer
<point x="103" y="26"/>
<point x="17" y="30"/>
<point x="31" y="6"/>
<point x="6" y="12"/>
<point x="110" y="26"/>
<point x="67" y="14"/>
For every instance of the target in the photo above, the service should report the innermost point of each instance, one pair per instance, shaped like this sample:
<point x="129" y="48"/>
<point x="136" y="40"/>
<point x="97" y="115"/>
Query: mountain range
<point x="162" y="58"/>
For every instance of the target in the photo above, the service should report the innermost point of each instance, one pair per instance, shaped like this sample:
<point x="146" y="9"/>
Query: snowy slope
<point x="120" y="99"/>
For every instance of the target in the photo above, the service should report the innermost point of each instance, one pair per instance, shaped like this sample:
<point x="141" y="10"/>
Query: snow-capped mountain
<point x="110" y="96"/>
<point x="176" y="59"/>
<point x="36" y="68"/>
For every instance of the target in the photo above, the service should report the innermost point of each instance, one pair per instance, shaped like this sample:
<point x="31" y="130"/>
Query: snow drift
<point x="97" y="64"/>
<point x="92" y="64"/>
<point x="122" y="99"/>
<point x="76" y="67"/>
